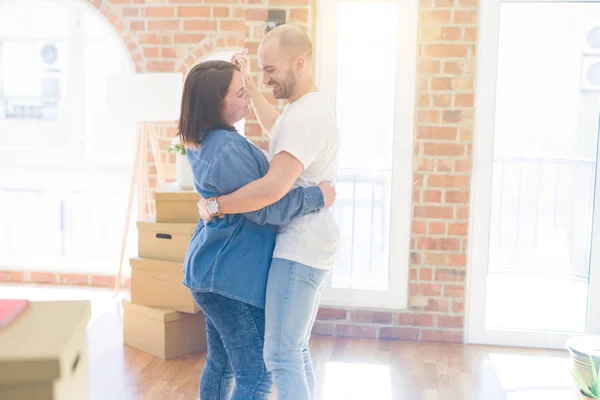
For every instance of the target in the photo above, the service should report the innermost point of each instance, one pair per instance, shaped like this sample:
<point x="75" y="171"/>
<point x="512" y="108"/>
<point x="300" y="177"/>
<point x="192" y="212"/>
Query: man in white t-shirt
<point x="304" y="152"/>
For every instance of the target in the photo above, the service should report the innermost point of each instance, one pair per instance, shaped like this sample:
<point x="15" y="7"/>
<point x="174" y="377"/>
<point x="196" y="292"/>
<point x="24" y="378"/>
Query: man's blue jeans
<point x="293" y="294"/>
<point x="235" y="333"/>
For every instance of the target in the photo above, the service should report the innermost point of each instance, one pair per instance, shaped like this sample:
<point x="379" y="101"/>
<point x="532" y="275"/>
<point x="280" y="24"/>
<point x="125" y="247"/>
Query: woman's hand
<point x="203" y="211"/>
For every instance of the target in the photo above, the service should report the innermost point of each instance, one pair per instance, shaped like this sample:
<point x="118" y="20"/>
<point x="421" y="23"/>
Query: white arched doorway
<point x="64" y="168"/>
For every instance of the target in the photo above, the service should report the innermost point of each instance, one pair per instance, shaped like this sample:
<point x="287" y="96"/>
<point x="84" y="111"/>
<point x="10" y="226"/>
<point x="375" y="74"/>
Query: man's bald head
<point x="285" y="57"/>
<point x="291" y="40"/>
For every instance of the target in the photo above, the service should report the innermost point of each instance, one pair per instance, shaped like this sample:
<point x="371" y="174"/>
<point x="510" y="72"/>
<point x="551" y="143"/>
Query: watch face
<point x="213" y="207"/>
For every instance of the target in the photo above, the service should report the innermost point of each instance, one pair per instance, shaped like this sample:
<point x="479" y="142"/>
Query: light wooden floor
<point x="346" y="369"/>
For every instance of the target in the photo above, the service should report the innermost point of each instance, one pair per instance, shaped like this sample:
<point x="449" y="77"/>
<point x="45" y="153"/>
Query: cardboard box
<point x="164" y="241"/>
<point x="158" y="283"/>
<point x="163" y="333"/>
<point x="174" y="204"/>
<point x="43" y="353"/>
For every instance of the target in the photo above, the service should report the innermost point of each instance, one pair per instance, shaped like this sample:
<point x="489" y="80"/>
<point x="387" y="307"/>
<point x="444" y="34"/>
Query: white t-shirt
<point x="307" y="129"/>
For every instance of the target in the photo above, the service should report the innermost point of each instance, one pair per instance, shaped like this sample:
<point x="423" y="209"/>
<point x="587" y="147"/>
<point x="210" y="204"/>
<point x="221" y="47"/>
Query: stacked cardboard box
<point x="162" y="318"/>
<point x="44" y="354"/>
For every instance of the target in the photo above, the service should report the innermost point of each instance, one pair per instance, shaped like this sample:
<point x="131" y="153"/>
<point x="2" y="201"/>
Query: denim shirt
<point x="231" y="256"/>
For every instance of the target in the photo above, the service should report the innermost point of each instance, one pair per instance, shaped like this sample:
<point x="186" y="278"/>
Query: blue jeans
<point x="293" y="294"/>
<point x="235" y="335"/>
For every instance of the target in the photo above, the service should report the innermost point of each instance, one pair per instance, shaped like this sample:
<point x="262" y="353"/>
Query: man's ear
<point x="299" y="64"/>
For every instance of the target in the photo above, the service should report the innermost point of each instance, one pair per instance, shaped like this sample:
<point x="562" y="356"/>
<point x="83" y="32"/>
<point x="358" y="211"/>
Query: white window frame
<point x="72" y="167"/>
<point x="481" y="203"/>
<point x="76" y="155"/>
<point x="396" y="296"/>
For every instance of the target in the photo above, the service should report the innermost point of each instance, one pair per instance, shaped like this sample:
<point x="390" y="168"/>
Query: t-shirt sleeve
<point x="304" y="137"/>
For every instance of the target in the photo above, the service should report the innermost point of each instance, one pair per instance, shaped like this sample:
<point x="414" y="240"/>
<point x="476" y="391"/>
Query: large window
<point x="64" y="164"/>
<point x="369" y="74"/>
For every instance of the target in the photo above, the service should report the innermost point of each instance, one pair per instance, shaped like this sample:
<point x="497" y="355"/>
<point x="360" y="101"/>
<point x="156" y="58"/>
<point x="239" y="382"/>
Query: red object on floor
<point x="10" y="309"/>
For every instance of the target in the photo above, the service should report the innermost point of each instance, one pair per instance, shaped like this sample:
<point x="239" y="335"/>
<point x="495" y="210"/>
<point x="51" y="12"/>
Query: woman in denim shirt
<point x="228" y="259"/>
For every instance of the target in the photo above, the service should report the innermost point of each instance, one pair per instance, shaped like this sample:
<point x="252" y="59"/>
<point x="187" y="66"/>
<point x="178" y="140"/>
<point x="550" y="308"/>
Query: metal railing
<point x="362" y="210"/>
<point x="541" y="220"/>
<point x="42" y="228"/>
<point x="541" y="215"/>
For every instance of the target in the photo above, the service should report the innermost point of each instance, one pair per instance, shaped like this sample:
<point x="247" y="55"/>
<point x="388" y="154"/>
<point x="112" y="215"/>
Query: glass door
<point x="534" y="247"/>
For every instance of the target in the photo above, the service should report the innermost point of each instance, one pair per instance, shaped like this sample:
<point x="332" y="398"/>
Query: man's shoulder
<point x="307" y="117"/>
<point x="311" y="103"/>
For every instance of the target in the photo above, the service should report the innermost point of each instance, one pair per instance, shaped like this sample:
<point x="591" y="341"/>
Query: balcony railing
<point x="362" y="211"/>
<point x="542" y="212"/>
<point x="78" y="231"/>
<point x="541" y="221"/>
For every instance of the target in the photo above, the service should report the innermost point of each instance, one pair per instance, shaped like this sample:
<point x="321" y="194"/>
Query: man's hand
<point x="241" y="60"/>
<point x="203" y="211"/>
<point x="265" y="112"/>
<point x="329" y="193"/>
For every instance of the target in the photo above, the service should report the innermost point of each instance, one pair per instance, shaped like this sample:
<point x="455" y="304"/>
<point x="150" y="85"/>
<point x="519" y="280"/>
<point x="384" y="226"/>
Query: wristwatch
<point x="213" y="207"/>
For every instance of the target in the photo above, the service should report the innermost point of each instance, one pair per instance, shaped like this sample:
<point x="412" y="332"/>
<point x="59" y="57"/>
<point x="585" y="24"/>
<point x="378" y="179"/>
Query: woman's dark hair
<point x="204" y="89"/>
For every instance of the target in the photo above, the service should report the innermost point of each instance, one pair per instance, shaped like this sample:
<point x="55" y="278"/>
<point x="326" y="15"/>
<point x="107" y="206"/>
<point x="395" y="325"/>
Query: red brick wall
<point x="173" y="35"/>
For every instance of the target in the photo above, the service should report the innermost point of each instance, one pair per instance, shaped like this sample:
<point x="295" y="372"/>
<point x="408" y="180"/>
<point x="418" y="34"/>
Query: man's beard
<point x="284" y="90"/>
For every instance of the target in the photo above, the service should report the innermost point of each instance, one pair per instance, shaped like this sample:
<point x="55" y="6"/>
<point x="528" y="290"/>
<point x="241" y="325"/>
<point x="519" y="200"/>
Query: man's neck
<point x="302" y="89"/>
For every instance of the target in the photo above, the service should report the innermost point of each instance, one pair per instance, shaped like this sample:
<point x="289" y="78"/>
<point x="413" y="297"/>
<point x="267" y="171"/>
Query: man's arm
<point x="238" y="168"/>
<point x="283" y="172"/>
<point x="299" y="142"/>
<point x="265" y="112"/>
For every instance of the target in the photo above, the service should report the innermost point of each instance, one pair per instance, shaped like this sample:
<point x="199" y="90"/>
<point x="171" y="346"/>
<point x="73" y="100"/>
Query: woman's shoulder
<point x="231" y="137"/>
<point x="218" y="136"/>
<point x="218" y="142"/>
